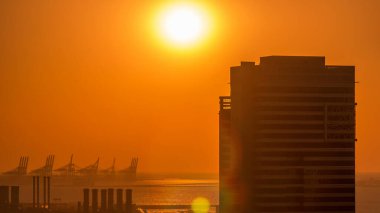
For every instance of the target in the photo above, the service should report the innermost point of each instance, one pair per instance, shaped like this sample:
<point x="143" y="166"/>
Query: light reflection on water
<point x="145" y="192"/>
<point x="183" y="191"/>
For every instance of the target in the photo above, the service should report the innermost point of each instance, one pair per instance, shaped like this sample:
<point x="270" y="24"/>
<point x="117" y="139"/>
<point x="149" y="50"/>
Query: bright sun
<point x="183" y="24"/>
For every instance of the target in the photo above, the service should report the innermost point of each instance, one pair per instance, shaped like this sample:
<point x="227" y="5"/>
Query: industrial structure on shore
<point x="287" y="137"/>
<point x="70" y="174"/>
<point x="95" y="200"/>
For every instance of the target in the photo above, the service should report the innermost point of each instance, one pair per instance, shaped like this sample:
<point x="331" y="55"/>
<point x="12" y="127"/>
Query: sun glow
<point x="183" y="24"/>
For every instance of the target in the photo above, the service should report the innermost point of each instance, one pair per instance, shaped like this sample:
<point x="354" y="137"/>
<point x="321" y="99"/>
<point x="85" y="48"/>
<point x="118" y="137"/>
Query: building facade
<point x="226" y="171"/>
<point x="289" y="134"/>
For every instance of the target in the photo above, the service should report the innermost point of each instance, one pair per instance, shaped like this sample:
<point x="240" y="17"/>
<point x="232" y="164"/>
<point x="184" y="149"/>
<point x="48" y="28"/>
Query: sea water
<point x="176" y="191"/>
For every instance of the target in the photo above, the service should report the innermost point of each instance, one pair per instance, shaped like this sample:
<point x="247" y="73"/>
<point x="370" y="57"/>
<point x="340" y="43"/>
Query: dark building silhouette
<point x="287" y="137"/>
<point x="227" y="168"/>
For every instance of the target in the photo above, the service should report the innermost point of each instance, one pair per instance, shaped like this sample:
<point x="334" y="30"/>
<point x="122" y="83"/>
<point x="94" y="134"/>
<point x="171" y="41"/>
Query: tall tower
<point x="226" y="167"/>
<point x="292" y="120"/>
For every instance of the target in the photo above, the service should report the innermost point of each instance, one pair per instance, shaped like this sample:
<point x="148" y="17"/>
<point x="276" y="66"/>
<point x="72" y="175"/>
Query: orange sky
<point x="90" y="77"/>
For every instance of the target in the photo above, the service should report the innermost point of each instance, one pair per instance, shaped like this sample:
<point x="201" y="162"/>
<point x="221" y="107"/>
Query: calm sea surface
<point x="145" y="192"/>
<point x="184" y="191"/>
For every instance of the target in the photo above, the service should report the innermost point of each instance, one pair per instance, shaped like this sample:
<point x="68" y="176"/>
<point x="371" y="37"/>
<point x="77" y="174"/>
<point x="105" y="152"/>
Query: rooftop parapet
<point x="293" y="61"/>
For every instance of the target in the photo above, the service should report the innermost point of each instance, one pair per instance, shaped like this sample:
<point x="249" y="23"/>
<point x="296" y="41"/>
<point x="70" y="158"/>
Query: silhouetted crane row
<point x="70" y="169"/>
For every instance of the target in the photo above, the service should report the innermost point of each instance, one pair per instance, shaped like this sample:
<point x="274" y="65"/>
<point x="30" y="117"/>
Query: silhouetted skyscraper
<point x="227" y="158"/>
<point x="287" y="138"/>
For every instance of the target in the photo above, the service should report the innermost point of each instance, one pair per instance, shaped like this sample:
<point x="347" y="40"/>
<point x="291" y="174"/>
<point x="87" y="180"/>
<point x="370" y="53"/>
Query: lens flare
<point x="200" y="205"/>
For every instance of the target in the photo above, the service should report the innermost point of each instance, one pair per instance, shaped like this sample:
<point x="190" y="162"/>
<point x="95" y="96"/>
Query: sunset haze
<point x="94" y="78"/>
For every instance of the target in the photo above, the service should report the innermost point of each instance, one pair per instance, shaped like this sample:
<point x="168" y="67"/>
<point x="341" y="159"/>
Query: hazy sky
<point x="90" y="78"/>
